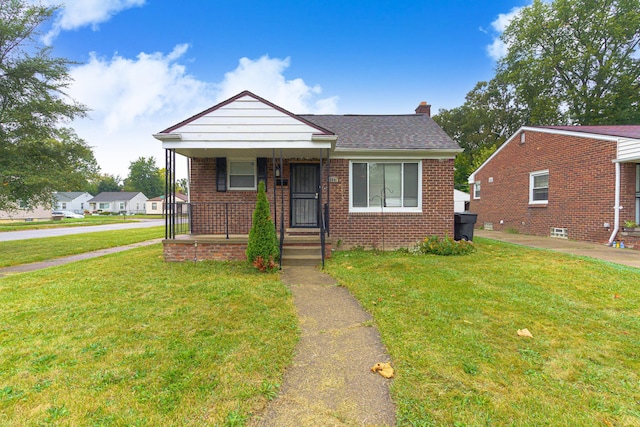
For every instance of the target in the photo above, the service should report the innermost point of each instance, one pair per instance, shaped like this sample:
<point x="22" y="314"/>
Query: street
<point x="51" y="232"/>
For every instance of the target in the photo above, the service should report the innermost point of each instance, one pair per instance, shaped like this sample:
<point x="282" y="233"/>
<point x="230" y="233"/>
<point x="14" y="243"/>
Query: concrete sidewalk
<point x="72" y="258"/>
<point x="628" y="257"/>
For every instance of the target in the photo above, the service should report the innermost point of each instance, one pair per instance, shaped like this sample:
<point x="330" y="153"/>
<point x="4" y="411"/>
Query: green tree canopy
<point x="146" y="177"/>
<point x="567" y="62"/>
<point x="37" y="156"/>
<point x="575" y="62"/>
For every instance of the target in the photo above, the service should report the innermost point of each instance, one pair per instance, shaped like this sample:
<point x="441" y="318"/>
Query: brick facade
<point x="371" y="229"/>
<point x="581" y="187"/>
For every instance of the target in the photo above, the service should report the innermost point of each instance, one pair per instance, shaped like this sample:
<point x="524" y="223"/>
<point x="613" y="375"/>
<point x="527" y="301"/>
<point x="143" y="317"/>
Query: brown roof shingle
<point x="385" y="132"/>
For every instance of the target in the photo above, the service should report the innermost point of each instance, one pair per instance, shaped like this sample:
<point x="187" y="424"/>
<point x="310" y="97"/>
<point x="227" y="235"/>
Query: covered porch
<point x="231" y="148"/>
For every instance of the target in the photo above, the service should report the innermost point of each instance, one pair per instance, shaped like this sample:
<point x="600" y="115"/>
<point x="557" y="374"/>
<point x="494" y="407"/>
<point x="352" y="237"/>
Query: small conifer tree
<point x="262" y="248"/>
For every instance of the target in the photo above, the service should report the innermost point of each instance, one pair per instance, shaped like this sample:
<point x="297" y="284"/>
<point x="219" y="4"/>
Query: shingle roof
<point x="112" y="196"/>
<point x="384" y="132"/>
<point x="67" y="196"/>
<point x="623" y="131"/>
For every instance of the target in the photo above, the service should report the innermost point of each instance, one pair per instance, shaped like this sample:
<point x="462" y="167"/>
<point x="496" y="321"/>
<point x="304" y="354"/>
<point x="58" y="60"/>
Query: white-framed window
<point x="476" y="189"/>
<point x="64" y="205"/>
<point x="539" y="187"/>
<point x="121" y="206"/>
<point x="154" y="206"/>
<point x="241" y="174"/>
<point x="392" y="186"/>
<point x="103" y="205"/>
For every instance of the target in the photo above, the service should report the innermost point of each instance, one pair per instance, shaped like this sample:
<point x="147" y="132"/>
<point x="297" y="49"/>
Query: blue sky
<point x="146" y="65"/>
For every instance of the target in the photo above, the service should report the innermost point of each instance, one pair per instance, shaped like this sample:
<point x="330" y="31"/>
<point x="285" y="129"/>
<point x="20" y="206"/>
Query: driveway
<point x="629" y="257"/>
<point x="51" y="232"/>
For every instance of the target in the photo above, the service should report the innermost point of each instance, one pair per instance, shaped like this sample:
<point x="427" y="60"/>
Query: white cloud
<point x="80" y="13"/>
<point x="497" y="49"/>
<point x="132" y="98"/>
<point x="265" y="78"/>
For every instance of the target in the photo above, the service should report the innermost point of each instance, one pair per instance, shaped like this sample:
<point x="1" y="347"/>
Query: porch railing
<point x="220" y="218"/>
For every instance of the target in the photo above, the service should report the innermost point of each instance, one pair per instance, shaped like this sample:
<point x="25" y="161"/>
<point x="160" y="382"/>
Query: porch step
<point x="301" y="250"/>
<point x="302" y="231"/>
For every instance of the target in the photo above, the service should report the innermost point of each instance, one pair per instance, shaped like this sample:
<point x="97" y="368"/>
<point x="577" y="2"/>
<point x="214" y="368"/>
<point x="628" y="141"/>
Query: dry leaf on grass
<point x="383" y="369"/>
<point x="524" y="333"/>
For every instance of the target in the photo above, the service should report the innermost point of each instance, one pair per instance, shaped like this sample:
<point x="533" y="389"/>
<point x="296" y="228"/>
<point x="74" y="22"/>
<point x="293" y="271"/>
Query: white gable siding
<point x="628" y="149"/>
<point x="246" y="119"/>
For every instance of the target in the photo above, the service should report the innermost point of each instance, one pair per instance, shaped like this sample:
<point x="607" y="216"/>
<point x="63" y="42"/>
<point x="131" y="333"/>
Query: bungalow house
<point x="156" y="206"/>
<point x="26" y="213"/>
<point x="383" y="181"/>
<point x="575" y="182"/>
<point x="119" y="202"/>
<point x="74" y="201"/>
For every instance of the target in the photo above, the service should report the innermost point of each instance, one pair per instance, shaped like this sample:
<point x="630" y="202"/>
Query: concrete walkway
<point x="330" y="382"/>
<point x="628" y="257"/>
<point x="72" y="258"/>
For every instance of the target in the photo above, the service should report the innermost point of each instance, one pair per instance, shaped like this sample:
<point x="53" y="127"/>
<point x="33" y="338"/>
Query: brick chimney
<point x="424" y="108"/>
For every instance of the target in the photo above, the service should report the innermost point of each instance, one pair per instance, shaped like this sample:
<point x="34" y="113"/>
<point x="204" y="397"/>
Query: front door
<point x="305" y="184"/>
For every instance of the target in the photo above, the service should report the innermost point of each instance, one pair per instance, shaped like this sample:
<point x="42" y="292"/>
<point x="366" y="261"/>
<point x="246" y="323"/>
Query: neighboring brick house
<point x="576" y="182"/>
<point x="323" y="173"/>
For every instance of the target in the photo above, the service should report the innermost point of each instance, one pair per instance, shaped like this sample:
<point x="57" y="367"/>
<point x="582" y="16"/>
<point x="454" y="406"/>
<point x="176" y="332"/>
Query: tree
<point x="146" y="177"/>
<point x="37" y="156"/>
<point x="262" y="247"/>
<point x="575" y="61"/>
<point x="487" y="118"/>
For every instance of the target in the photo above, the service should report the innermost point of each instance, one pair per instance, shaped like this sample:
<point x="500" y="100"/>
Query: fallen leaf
<point x="383" y="369"/>
<point x="349" y="267"/>
<point x="524" y="333"/>
<point x="616" y="296"/>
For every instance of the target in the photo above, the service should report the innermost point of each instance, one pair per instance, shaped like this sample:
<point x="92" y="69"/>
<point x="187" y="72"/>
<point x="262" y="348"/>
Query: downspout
<point x="617" y="207"/>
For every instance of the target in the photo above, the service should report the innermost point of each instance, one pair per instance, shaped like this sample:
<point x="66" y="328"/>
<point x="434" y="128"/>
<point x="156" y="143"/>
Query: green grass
<point x="20" y="225"/>
<point x="128" y="339"/>
<point x="33" y="250"/>
<point x="450" y="326"/>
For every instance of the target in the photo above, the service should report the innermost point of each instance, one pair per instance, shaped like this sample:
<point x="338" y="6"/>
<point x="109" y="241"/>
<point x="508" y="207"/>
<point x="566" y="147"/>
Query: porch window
<point x="242" y="174"/>
<point x="539" y="187"/>
<point x="393" y="186"/>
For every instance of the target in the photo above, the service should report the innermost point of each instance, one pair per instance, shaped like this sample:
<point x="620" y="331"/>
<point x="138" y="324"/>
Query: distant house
<point x="155" y="206"/>
<point x="460" y="201"/>
<point x="26" y="213"/>
<point x="119" y="202"/>
<point x="575" y="182"/>
<point x="74" y="201"/>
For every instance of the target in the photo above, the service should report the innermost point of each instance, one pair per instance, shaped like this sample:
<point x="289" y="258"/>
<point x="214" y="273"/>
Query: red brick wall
<point x="364" y="229"/>
<point x="396" y="229"/>
<point x="178" y="251"/>
<point x="581" y="187"/>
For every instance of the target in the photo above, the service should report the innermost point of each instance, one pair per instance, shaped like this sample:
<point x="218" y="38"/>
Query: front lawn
<point x="450" y="326"/>
<point x="18" y="252"/>
<point x="128" y="339"/>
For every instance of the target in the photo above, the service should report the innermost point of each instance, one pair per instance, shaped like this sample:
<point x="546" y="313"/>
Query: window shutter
<point x="221" y="174"/>
<point x="262" y="170"/>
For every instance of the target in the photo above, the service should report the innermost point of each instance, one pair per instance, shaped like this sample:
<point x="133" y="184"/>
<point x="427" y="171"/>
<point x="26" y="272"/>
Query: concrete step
<point x="300" y="260"/>
<point x="290" y="250"/>
<point x="302" y="231"/>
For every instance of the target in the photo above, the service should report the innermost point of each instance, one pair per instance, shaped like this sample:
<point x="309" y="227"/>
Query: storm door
<point x="305" y="184"/>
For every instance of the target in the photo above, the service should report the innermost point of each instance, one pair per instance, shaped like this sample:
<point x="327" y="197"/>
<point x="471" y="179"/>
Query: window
<point x="154" y="206"/>
<point x="121" y="206"/>
<point x="395" y="186"/>
<point x="64" y="205"/>
<point x="81" y="205"/>
<point x="539" y="187"/>
<point x="242" y="174"/>
<point x="476" y="190"/>
<point x="103" y="205"/>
